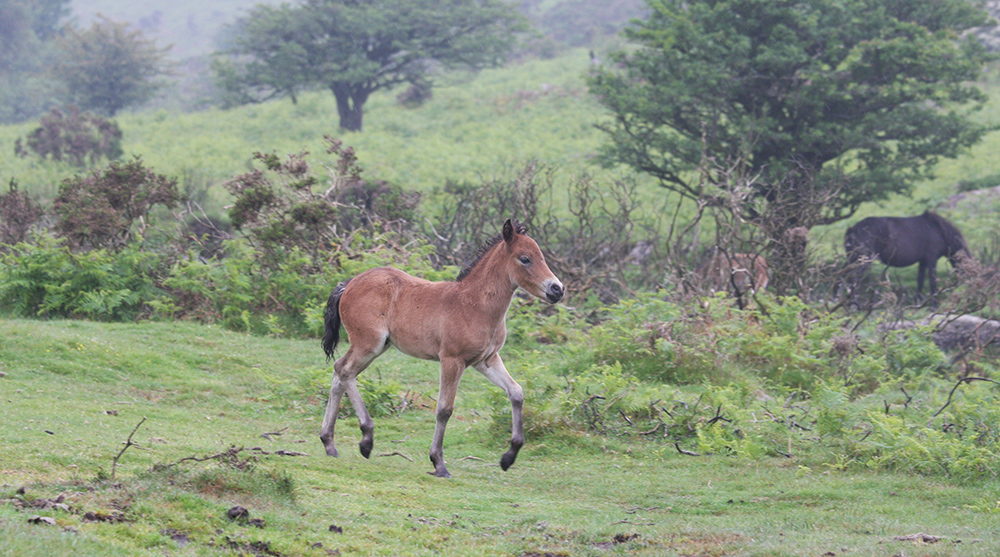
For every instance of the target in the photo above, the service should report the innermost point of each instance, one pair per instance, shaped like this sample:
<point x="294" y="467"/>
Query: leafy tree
<point x="24" y="24"/>
<point x="26" y="30"/>
<point x="793" y="113"/>
<point x="354" y="48"/>
<point x="108" y="67"/>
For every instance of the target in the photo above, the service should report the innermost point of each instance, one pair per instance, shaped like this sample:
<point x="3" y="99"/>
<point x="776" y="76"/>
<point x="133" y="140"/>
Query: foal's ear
<point x="508" y="231"/>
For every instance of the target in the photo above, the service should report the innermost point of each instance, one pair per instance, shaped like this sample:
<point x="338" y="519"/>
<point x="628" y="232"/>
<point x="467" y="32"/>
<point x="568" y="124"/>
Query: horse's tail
<point x="332" y="320"/>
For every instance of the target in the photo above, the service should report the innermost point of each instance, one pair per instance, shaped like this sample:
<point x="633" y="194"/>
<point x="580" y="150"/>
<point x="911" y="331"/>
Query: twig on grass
<point x="230" y="456"/>
<point x="274" y="433"/>
<point x="626" y="417"/>
<point x="397" y="453"/>
<point x="128" y="443"/>
<point x="627" y="521"/>
<point x="633" y="510"/>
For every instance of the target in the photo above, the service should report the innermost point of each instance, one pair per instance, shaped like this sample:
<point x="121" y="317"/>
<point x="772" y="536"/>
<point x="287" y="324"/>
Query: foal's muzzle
<point x="554" y="292"/>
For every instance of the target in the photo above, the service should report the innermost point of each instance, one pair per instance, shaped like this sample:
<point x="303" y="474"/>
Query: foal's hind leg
<point x="345" y="373"/>
<point x="495" y="371"/>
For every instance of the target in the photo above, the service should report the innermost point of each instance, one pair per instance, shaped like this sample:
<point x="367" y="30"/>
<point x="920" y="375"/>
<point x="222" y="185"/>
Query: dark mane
<point x="952" y="236"/>
<point x="519" y="228"/>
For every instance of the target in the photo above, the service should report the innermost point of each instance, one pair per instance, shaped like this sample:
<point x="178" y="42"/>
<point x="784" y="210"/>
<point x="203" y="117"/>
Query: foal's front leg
<point x="451" y="375"/>
<point x="496" y="372"/>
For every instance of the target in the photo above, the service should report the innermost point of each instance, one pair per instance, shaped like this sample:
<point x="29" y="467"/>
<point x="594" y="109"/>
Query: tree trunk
<point x="350" y="105"/>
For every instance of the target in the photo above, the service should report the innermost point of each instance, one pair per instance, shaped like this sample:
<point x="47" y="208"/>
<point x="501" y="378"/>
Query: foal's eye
<point x="524" y="260"/>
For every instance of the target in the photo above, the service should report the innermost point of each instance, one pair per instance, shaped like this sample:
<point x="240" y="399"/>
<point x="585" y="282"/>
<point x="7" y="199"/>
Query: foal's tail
<point x="332" y="336"/>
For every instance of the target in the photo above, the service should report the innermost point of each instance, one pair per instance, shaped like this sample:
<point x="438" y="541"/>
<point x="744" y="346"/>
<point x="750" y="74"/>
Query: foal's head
<point x="527" y="264"/>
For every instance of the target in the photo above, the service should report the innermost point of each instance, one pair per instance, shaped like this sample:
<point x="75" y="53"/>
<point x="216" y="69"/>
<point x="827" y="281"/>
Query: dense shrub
<point x="74" y="136"/>
<point x="18" y="214"/>
<point x="287" y="206"/>
<point x="109" y="208"/>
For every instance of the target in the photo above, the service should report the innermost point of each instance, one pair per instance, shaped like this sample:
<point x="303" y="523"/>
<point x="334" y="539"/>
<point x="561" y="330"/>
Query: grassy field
<point x="476" y="125"/>
<point x="72" y="392"/>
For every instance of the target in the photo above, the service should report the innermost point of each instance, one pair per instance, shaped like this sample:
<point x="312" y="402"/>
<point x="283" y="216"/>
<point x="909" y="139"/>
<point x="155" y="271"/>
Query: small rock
<point x="42" y="520"/>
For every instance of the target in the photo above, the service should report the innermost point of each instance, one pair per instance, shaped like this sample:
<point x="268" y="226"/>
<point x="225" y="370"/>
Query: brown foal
<point x="458" y="323"/>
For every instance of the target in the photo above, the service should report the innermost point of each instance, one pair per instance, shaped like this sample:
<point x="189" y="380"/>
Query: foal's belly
<point x="470" y="353"/>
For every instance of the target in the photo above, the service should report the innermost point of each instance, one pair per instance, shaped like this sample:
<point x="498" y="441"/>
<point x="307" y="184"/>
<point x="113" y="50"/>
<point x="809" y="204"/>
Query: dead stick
<point x="397" y="453"/>
<point x="128" y="443"/>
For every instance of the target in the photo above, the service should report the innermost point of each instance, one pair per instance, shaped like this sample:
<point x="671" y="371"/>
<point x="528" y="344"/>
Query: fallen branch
<point x="682" y="451"/>
<point x="953" y="389"/>
<point x="654" y="430"/>
<point x="128" y="443"/>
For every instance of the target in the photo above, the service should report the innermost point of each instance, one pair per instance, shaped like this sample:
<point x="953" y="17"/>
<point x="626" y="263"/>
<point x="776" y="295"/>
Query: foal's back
<point x="424" y="319"/>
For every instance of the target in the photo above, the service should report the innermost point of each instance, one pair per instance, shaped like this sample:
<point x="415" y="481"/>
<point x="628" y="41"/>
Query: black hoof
<point x="507" y="460"/>
<point x="366" y="448"/>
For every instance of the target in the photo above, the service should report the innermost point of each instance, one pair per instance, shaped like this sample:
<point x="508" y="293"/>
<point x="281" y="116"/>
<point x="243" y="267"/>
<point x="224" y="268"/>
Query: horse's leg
<point x="364" y="419"/>
<point x="495" y="371"/>
<point x="345" y="372"/>
<point x="932" y="277"/>
<point x="921" y="272"/>
<point x="451" y="375"/>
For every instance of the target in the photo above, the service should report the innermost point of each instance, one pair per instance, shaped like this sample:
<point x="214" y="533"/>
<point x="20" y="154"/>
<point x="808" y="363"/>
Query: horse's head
<point x="527" y="264"/>
<point x="955" y="247"/>
<point x="856" y="243"/>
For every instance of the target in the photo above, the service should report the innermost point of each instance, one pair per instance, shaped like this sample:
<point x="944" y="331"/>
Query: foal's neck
<point x="489" y="285"/>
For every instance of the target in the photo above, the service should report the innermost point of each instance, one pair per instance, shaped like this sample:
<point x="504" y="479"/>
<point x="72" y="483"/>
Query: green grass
<point x="73" y="391"/>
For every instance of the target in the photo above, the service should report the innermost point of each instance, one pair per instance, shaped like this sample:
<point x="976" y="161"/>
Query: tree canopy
<point x="800" y="110"/>
<point x="109" y="67"/>
<point x="354" y="48"/>
<point x="26" y="30"/>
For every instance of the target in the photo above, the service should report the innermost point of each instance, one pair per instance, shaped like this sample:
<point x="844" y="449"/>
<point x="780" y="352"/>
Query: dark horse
<point x="903" y="241"/>
<point x="459" y="324"/>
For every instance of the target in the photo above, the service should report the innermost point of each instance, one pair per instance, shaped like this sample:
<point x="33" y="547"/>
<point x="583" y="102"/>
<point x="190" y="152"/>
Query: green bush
<point x="49" y="280"/>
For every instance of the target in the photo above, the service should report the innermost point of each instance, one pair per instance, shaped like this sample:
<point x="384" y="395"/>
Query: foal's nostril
<point x="555" y="293"/>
